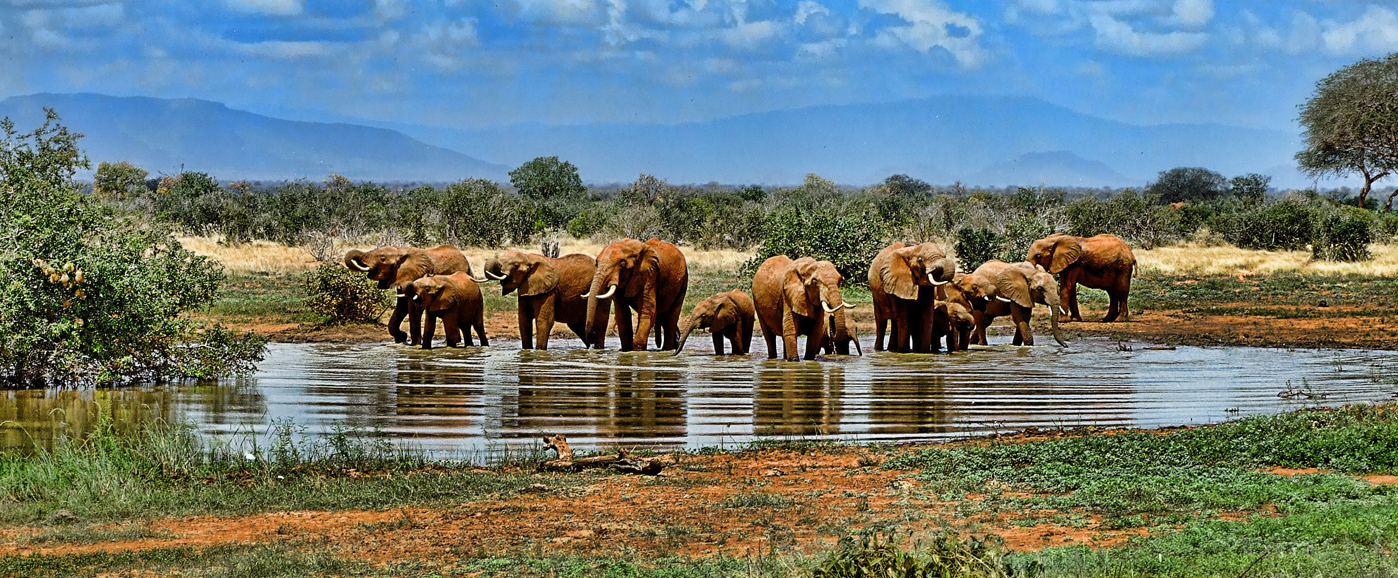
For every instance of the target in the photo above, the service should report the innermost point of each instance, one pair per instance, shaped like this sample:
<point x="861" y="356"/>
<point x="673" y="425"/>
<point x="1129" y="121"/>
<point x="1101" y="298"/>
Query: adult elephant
<point x="1013" y="289"/>
<point x="800" y="297"/>
<point x="905" y="281"/>
<point x="726" y="315"/>
<point x="649" y="277"/>
<point x="396" y="267"/>
<point x="1100" y="262"/>
<point x="550" y="291"/>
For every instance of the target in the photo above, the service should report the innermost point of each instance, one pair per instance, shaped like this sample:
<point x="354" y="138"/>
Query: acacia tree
<point x="1351" y="124"/>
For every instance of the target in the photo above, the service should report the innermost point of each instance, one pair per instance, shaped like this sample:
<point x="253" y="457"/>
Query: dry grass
<point x="258" y="256"/>
<point x="263" y="256"/>
<point x="1194" y="260"/>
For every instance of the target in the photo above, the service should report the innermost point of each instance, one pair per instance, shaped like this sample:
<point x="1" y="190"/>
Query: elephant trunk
<point x="353" y="260"/>
<point x="684" y="335"/>
<point x="594" y="295"/>
<point x="1053" y="323"/>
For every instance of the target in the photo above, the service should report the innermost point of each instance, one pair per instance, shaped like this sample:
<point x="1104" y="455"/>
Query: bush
<point x="975" y="246"/>
<point x="589" y="222"/>
<point x="91" y="296"/>
<point x="1019" y="235"/>
<point x="477" y="213"/>
<point x="1344" y="234"/>
<point x="344" y="296"/>
<point x="850" y="237"/>
<point x="1287" y="225"/>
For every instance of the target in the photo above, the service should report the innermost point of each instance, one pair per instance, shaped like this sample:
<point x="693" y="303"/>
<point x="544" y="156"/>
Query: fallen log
<point x="622" y="461"/>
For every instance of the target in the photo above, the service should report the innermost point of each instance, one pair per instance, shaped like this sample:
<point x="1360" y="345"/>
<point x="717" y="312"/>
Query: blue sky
<point x="467" y="63"/>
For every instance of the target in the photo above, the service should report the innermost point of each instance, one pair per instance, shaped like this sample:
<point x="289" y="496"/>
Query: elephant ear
<point x="794" y="286"/>
<point x="646" y="268"/>
<point x="412" y="267"/>
<point x="541" y="278"/>
<point x="724" y="315"/>
<point x="898" y="276"/>
<point x="1012" y="284"/>
<point x="1066" y="251"/>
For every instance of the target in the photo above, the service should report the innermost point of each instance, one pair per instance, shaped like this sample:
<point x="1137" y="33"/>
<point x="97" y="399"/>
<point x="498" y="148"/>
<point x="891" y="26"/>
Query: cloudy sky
<point x="470" y="63"/>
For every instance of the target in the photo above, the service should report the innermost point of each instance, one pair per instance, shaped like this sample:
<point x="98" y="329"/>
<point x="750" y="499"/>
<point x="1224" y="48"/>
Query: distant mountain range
<point x="979" y="140"/>
<point x="162" y="135"/>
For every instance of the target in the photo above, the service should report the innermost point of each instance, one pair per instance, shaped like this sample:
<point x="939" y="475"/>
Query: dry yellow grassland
<point x="1180" y="260"/>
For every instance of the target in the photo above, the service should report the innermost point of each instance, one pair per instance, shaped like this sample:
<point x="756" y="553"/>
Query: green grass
<point x="222" y="561"/>
<point x="170" y="471"/>
<point x="1134" y="479"/>
<point x="265" y="298"/>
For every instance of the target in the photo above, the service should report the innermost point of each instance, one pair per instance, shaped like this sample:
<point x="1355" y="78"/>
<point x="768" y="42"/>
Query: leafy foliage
<point x="119" y="180"/>
<point x="1188" y="184"/>
<point x="974" y="247"/>
<point x="90" y="296"/>
<point x="847" y="233"/>
<point x="1351" y="123"/>
<point x="1344" y="234"/>
<point x="344" y="296"/>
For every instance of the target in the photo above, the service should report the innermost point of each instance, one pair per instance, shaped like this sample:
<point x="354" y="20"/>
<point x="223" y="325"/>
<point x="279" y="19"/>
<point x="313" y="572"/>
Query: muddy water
<point x="474" y="402"/>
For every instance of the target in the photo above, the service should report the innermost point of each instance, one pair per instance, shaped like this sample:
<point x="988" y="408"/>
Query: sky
<point x="468" y="64"/>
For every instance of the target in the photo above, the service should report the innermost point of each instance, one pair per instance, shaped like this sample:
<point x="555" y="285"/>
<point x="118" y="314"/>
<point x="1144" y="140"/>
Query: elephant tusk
<point x="1003" y="299"/>
<point x="934" y="282"/>
<point x="357" y="265"/>
<point x="587" y="295"/>
<point x="848" y="306"/>
<point x="608" y="294"/>
<point x="827" y="308"/>
<point x="400" y="295"/>
<point x="492" y="276"/>
<point x="480" y="280"/>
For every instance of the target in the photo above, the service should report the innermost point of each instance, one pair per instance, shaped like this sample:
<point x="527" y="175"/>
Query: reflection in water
<point x="800" y="399"/>
<point x="473" y="401"/>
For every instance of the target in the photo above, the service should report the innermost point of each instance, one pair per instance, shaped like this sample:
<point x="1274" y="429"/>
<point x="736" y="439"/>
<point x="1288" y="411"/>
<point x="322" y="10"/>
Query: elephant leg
<point x="879" y="324"/>
<point x="901" y="325"/>
<point x="543" y="322"/>
<point x="769" y="335"/>
<point x="415" y="329"/>
<point x="395" y="321"/>
<point x="526" y="324"/>
<point x="815" y="339"/>
<point x="452" y="323"/>
<point x="578" y="328"/>
<point x="744" y="344"/>
<point x="672" y="328"/>
<point x="924" y="341"/>
<point x="718" y="343"/>
<point x="479" y="323"/>
<point x="623" y="327"/>
<point x="982" y="322"/>
<point x="431" y="331"/>
<point x="789" y="337"/>
<point x="1023" y="334"/>
<point x="1119" y="293"/>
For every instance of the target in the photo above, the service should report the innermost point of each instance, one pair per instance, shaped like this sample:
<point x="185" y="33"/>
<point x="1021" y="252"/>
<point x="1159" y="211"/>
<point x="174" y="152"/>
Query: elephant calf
<point x="456" y="300"/>
<point x="728" y="315"/>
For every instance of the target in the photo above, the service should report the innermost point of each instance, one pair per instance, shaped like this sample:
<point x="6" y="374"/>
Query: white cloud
<point x="821" y="50"/>
<point x="1118" y="36"/>
<point x="930" y="25"/>
<point x="749" y="35"/>
<point x="1193" y="13"/>
<point x="390" y="9"/>
<point x="807" y="8"/>
<point x="1374" y="32"/>
<point x="285" y="50"/>
<point x="558" y="11"/>
<point x="275" y="7"/>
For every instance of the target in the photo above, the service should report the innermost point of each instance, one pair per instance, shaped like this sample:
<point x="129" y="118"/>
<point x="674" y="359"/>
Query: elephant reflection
<point x="908" y="403"/>
<point x="636" y="399"/>
<point x="805" y="400"/>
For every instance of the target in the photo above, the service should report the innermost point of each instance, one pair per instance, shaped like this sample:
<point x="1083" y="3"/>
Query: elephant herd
<point x="920" y="299"/>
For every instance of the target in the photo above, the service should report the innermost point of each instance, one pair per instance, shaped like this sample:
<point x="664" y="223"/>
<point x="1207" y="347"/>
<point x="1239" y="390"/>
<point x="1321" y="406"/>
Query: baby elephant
<point x="456" y="300"/>
<point x="728" y="315"/>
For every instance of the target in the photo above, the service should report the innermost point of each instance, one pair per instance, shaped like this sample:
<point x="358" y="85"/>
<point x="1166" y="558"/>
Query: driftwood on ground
<point x="622" y="462"/>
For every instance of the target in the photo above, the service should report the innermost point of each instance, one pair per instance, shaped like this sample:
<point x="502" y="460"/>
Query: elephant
<point x="955" y="322"/>
<point x="456" y="300"/>
<point x="787" y="294"/>
<point x="396" y="267"/>
<point x="1013" y="289"/>
<point x="840" y="334"/>
<point x="728" y="315"/>
<point x="651" y="278"/>
<point x="905" y="279"/>
<point x="1101" y="262"/>
<point x="550" y="290"/>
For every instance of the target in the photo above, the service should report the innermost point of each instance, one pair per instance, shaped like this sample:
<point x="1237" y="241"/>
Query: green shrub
<point x="850" y="237"/>
<point x="1286" y="225"/>
<point x="975" y="246"/>
<point x="477" y="213"/>
<point x="1344" y="234"/>
<point x="589" y="222"/>
<point x="1019" y="235"/>
<point x="344" y="296"/>
<point x="873" y="555"/>
<point x="91" y="296"/>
